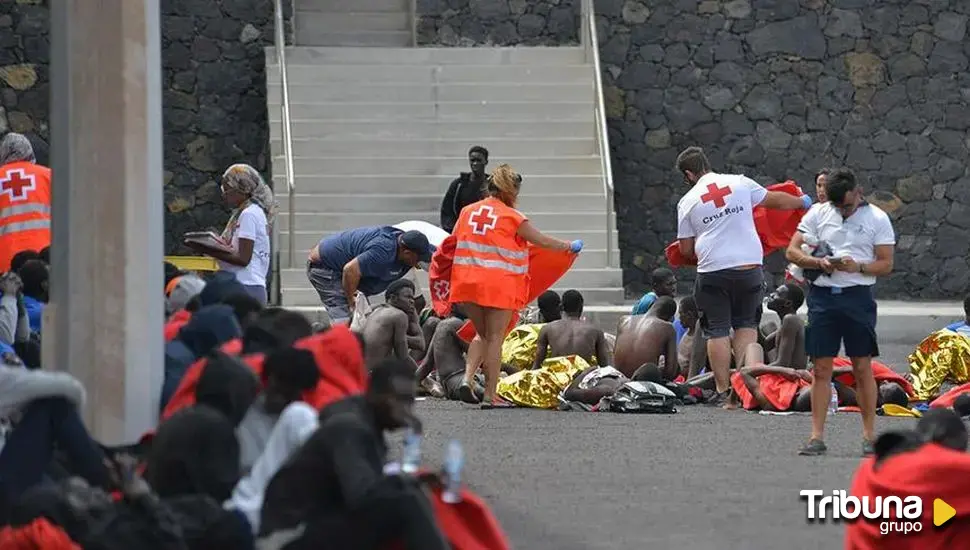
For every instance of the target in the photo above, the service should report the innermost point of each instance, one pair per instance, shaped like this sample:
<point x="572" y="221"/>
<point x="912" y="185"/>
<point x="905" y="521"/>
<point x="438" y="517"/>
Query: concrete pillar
<point x="105" y="317"/>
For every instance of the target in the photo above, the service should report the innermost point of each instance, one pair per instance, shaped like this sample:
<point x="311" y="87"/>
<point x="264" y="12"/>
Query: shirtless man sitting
<point x="571" y="335"/>
<point x="648" y="338"/>
<point x="447" y="356"/>
<point x="786" y="345"/>
<point x="387" y="331"/>
<point x="688" y="316"/>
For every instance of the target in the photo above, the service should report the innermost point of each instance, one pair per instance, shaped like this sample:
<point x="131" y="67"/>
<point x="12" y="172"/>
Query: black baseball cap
<point x="417" y="242"/>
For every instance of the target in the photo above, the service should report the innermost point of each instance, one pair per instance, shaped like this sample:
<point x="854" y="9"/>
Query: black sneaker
<point x="814" y="447"/>
<point x="719" y="399"/>
<point x="867" y="448"/>
<point x="467" y="395"/>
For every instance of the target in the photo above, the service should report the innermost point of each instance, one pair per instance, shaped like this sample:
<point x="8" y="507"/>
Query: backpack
<point x="642" y="397"/>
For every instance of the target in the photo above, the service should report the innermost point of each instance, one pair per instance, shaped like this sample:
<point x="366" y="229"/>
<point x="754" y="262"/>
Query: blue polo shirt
<point x="376" y="251"/>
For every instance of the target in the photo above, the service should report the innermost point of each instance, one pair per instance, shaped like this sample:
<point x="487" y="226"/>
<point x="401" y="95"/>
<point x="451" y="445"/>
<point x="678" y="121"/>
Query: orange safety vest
<point x="25" y="209"/>
<point x="491" y="265"/>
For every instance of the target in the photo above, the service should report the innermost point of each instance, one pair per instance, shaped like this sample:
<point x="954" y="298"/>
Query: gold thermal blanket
<point x="519" y="347"/>
<point x="943" y="355"/>
<point x="540" y="388"/>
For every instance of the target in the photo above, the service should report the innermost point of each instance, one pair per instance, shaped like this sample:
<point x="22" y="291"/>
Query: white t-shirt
<point x="718" y="213"/>
<point x="855" y="237"/>
<point x="251" y="224"/>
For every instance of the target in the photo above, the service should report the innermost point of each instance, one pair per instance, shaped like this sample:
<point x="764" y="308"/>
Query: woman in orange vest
<point x="490" y="278"/>
<point x="25" y="199"/>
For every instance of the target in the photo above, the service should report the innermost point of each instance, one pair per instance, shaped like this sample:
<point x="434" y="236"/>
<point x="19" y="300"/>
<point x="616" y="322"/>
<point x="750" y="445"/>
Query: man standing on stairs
<point x="715" y="225"/>
<point x="467" y="188"/>
<point x="367" y="259"/>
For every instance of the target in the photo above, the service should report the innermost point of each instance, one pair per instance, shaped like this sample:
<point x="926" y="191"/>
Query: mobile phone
<point x="834" y="259"/>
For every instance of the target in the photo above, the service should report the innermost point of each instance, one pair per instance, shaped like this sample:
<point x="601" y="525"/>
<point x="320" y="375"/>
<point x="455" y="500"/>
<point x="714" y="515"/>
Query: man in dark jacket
<point x="466" y="189"/>
<point x="333" y="492"/>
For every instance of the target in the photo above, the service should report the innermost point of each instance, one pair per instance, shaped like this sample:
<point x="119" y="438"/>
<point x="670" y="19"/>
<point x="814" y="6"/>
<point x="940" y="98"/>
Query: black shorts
<point x="729" y="298"/>
<point x="841" y="316"/>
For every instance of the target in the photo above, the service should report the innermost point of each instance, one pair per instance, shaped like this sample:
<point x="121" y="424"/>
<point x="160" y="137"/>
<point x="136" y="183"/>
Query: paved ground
<point x="703" y="479"/>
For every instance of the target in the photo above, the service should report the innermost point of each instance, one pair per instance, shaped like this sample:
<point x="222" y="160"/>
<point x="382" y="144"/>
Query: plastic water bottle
<point x="411" y="457"/>
<point x="833" y="400"/>
<point x="454" y="461"/>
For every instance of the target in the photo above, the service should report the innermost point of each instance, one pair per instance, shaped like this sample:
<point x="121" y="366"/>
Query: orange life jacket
<point x="25" y="209"/>
<point x="491" y="265"/>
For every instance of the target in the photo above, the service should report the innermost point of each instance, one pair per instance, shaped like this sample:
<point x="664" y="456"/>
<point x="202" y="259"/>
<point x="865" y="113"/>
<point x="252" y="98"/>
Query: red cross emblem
<point x="442" y="289"/>
<point x="716" y="194"/>
<point x="17" y="184"/>
<point x="483" y="220"/>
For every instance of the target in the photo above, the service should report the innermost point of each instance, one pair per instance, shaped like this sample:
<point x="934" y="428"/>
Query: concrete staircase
<point x="379" y="133"/>
<point x="368" y="23"/>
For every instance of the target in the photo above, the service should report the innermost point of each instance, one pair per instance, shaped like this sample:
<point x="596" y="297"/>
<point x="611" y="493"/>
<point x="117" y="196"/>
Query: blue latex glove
<point x="576" y="246"/>
<point x="806" y="201"/>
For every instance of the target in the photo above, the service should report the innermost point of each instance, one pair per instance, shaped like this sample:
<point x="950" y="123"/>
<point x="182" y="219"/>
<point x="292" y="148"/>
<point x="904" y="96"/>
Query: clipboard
<point x="207" y="239"/>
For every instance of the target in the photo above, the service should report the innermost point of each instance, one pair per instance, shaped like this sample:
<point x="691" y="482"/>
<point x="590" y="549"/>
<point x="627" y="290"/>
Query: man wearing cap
<point x="367" y="259"/>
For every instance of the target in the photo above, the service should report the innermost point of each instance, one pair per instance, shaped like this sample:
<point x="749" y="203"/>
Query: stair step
<point x="430" y="166"/>
<point x="350" y="6"/>
<point x="428" y="74"/>
<point x="575" y="277"/>
<point x="306" y="55"/>
<point x="594" y="239"/>
<point x="365" y="184"/>
<point x="336" y="221"/>
<point x="481" y="131"/>
<point x="306" y="34"/>
<point x="434" y="147"/>
<point x="307" y="298"/>
<point x="590" y="258"/>
<point x="427" y="110"/>
<point x="388" y="92"/>
<point x="324" y="22"/>
<point x="351" y="201"/>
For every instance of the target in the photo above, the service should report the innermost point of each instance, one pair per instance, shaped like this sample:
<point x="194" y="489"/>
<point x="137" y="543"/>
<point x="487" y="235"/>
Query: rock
<point x="947" y="57"/>
<point x="957" y="117"/>
<point x="946" y="169"/>
<point x="737" y="9"/>
<point x="906" y="65"/>
<point x="658" y="139"/>
<point x="954" y="276"/>
<point x="885" y="141"/>
<point x="531" y="25"/>
<point x="614" y="102"/>
<point x="20" y="122"/>
<point x="6" y="21"/>
<point x="746" y="151"/>
<point x="921" y="44"/>
<point x="517" y="7"/>
<point x="685" y="114"/>
<point x="865" y="69"/>
<point x="4" y="127"/>
<point x="886" y="201"/>
<point x="799" y="36"/>
<point x="180" y="203"/>
<point x="200" y="152"/>
<point x="915" y="188"/>
<point x="616" y="48"/>
<point x="249" y="34"/>
<point x="717" y="98"/>
<point x="950" y="26"/>
<point x="762" y="104"/>
<point x="677" y="55"/>
<point x="708" y="7"/>
<point x="635" y="12"/>
<point x="19" y="77"/>
<point x="844" y="23"/>
<point x="772" y="137"/>
<point x="860" y="155"/>
<point x="489" y="9"/>
<point x="951" y="242"/>
<point x="959" y="215"/>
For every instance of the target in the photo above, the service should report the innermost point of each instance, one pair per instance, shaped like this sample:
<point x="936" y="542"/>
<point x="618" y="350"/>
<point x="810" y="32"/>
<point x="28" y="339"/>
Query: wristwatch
<point x="862" y="269"/>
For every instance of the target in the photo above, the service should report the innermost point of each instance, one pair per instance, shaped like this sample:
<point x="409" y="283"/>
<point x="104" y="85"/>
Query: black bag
<point x="643" y="397"/>
<point x="823" y="250"/>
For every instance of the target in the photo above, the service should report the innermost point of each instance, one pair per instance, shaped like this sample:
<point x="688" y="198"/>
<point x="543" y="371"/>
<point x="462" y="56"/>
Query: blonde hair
<point x="504" y="183"/>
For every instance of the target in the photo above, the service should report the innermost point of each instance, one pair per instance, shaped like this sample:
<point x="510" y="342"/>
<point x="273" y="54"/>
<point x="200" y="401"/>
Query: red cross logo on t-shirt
<point x="716" y="194"/>
<point x="17" y="184"/>
<point x="442" y="289"/>
<point x="482" y="220"/>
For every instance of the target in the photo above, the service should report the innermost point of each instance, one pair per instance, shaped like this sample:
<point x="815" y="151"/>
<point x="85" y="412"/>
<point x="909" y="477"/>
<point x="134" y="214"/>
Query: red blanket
<point x="880" y="371"/>
<point x="929" y="472"/>
<point x="338" y="356"/>
<point x="778" y="390"/>
<point x="175" y="323"/>
<point x="775" y="227"/>
<point x="946" y="400"/>
<point x="546" y="267"/>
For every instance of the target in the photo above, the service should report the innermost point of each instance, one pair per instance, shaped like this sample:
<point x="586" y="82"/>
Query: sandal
<point x="467" y="395"/>
<point x="497" y="403"/>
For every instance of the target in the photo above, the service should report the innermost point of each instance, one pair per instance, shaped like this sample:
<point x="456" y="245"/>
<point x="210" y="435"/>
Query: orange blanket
<point x="546" y="267"/>
<point x="880" y="371"/>
<point x="929" y="472"/>
<point x="946" y="400"/>
<point x="175" y="323"/>
<point x="775" y="227"/>
<point x="778" y="390"/>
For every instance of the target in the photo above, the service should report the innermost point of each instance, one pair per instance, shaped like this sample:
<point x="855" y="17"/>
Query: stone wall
<point x="498" y="22"/>
<point x="214" y="95"/>
<point x="777" y="89"/>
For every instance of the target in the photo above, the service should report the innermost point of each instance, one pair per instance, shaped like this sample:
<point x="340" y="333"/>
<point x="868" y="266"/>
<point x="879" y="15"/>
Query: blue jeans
<point x="29" y="448"/>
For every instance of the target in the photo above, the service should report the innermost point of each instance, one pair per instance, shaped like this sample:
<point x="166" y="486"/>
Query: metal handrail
<point x="286" y="126"/>
<point x="590" y="43"/>
<point x="413" y="7"/>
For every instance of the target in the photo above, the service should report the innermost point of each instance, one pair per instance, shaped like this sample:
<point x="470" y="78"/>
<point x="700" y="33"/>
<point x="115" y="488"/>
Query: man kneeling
<point x="391" y="329"/>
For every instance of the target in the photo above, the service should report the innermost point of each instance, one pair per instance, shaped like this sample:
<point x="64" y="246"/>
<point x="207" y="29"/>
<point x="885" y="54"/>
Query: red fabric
<point x="338" y="356"/>
<point x="546" y="267"/>
<point x="946" y="400"/>
<point x="39" y="534"/>
<point x="929" y="472"/>
<point x="469" y="524"/>
<point x="184" y="395"/>
<point x="175" y="323"/>
<point x="778" y="390"/>
<point x="880" y="372"/>
<point x="439" y="276"/>
<point x="775" y="227"/>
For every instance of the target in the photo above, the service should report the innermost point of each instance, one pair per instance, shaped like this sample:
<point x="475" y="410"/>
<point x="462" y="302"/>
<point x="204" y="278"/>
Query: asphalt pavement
<point x="702" y="479"/>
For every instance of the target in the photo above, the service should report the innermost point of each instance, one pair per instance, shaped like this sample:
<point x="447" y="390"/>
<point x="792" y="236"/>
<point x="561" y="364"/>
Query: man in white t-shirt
<point x="841" y="306"/>
<point x="715" y="225"/>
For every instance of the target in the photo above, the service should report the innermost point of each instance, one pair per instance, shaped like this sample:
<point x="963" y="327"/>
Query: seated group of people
<point x="271" y="435"/>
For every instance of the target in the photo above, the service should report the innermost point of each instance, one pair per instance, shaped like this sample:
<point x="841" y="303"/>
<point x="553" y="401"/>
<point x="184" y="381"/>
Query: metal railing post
<point x="285" y="124"/>
<point x="590" y="41"/>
